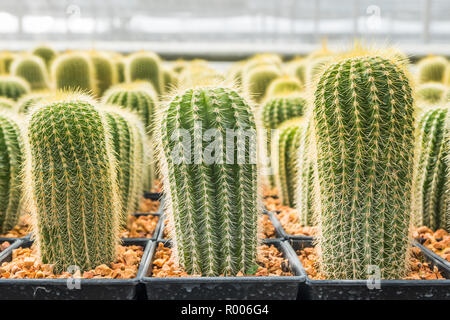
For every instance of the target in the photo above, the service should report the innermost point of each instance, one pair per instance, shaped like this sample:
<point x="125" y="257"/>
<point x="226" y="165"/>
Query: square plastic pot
<point x="68" y="289"/>
<point x="387" y="289"/>
<point x="225" y="288"/>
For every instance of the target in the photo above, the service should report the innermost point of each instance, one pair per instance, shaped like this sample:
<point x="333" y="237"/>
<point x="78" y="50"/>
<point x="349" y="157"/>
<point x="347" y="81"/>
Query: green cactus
<point x="363" y="124"/>
<point x="105" y="71"/>
<point x="6" y="103"/>
<point x="45" y="53"/>
<point x="279" y="109"/>
<point x="13" y="87"/>
<point x="431" y="191"/>
<point x="170" y="80"/>
<point x="145" y="66"/>
<point x="74" y="189"/>
<point x="120" y="70"/>
<point x="317" y="66"/>
<point x="127" y="135"/>
<point x="431" y="92"/>
<point x="74" y="71"/>
<point x="6" y="58"/>
<point x="431" y="69"/>
<point x="284" y="154"/>
<point x="213" y="207"/>
<point x="27" y="101"/>
<point x="11" y="164"/>
<point x="32" y="69"/>
<point x="234" y="74"/>
<point x="298" y="68"/>
<point x="284" y="85"/>
<point x="258" y="79"/>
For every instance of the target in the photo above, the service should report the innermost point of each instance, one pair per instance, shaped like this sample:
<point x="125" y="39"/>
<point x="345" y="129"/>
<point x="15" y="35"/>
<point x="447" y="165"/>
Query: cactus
<point x="317" y="66"/>
<point x="73" y="184"/>
<point x="258" y="79"/>
<point x="6" y="58"/>
<point x="279" y="109"/>
<point x="105" y="71"/>
<point x="431" y="69"/>
<point x="284" y="154"/>
<point x="213" y="207"/>
<point x="170" y="80"/>
<point x="363" y="124"/>
<point x="74" y="71"/>
<point x="6" y="103"/>
<point x="145" y="66"/>
<point x="12" y="164"/>
<point x="199" y="74"/>
<point x="431" y="191"/>
<point x="26" y="102"/>
<point x="284" y="85"/>
<point x="120" y="70"/>
<point x="45" y="53"/>
<point x="13" y="87"/>
<point x="32" y="69"/>
<point x="179" y="65"/>
<point x="431" y="92"/>
<point x="297" y="68"/>
<point x="127" y="135"/>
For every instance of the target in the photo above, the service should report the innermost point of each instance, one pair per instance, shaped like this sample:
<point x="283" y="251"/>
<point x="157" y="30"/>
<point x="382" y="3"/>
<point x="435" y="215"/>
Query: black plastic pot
<point x="387" y="290"/>
<point x="226" y="288"/>
<point x="280" y="232"/>
<point x="14" y="243"/>
<point x="53" y="289"/>
<point x="432" y="254"/>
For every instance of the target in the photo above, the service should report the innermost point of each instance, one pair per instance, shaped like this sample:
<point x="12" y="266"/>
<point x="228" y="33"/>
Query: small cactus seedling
<point x="431" y="192"/>
<point x="363" y="124"/>
<point x="258" y="79"/>
<point x="32" y="69"/>
<point x="431" y="69"/>
<point x="127" y="135"/>
<point x="212" y="205"/>
<point x="45" y="53"/>
<point x="6" y="103"/>
<point x="145" y="66"/>
<point x="11" y="164"/>
<point x="27" y="101"/>
<point x="74" y="71"/>
<point x="431" y="92"/>
<point x="74" y="190"/>
<point x="104" y="70"/>
<point x="13" y="87"/>
<point x="284" y="86"/>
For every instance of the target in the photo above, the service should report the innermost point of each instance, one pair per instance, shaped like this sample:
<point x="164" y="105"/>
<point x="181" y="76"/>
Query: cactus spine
<point x="432" y="69"/>
<point x="74" y="71"/>
<point x="13" y="87"/>
<point x="213" y="206"/>
<point x="33" y="69"/>
<point x="11" y="164"/>
<point x="45" y="53"/>
<point x="279" y="109"/>
<point x="145" y="66"/>
<point x="431" y="192"/>
<point x="105" y="71"/>
<point x="363" y="122"/>
<point x="73" y="183"/>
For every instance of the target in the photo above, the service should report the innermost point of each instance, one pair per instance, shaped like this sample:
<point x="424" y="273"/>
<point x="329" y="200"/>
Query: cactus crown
<point x="284" y="85"/>
<point x="13" y="87"/>
<point x="45" y="53"/>
<point x="11" y="164"/>
<point x="71" y="171"/>
<point x="31" y="68"/>
<point x="105" y="71"/>
<point x="27" y="101"/>
<point x="431" y="92"/>
<point x="212" y="205"/>
<point x="279" y="109"/>
<point x="145" y="66"/>
<point x="257" y="80"/>
<point x="431" y="170"/>
<point x="432" y="69"/>
<point x="363" y="123"/>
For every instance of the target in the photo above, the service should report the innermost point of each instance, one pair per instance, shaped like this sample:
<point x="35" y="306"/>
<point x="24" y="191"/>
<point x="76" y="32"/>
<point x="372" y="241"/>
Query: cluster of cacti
<point x="432" y="69"/>
<point x="199" y="74"/>
<point x="104" y="70"/>
<point x="431" y="92"/>
<point x="26" y="102"/>
<point x="74" y="71"/>
<point x="6" y="103"/>
<point x="72" y="176"/>
<point x="212" y="205"/>
<point x="12" y="155"/>
<point x="283" y="86"/>
<point x="257" y="80"/>
<point x="32" y="69"/>
<point x="127" y="136"/>
<point x="45" y="53"/>
<point x="431" y="186"/>
<point x="145" y="66"/>
<point x="13" y="87"/>
<point x="363" y="124"/>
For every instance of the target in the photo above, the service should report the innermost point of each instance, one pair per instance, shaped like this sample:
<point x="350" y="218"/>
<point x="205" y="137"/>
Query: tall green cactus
<point x="45" y="53"/>
<point x="6" y="103"/>
<point x="11" y="166"/>
<point x="283" y="86"/>
<point x="431" y="69"/>
<point x="257" y="80"/>
<point x="13" y="87"/>
<point x="33" y="69"/>
<point x="27" y="101"/>
<point x="279" y="109"/>
<point x="212" y="205"/>
<point x="127" y="135"/>
<point x="74" y="71"/>
<point x="363" y="123"/>
<point x="145" y="66"/>
<point x="73" y="183"/>
<point x="104" y="70"/>
<point x="431" y="191"/>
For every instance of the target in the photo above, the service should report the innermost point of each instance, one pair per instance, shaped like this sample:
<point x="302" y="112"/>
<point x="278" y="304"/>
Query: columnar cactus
<point x="6" y="103"/>
<point x="363" y="123"/>
<point x="212" y="198"/>
<point x="73" y="183"/>
<point x="284" y="85"/>
<point x="279" y="109"/>
<point x="284" y="155"/>
<point x="431" y="69"/>
<point x="27" y="101"/>
<point x="431" y="92"/>
<point x="12" y="164"/>
<point x="145" y="66"/>
<point x="104" y="70"/>
<point x="258" y="79"/>
<point x="74" y="71"/>
<point x="431" y="192"/>
<point x="33" y="69"/>
<point x="127" y="135"/>
<point x="13" y="87"/>
<point x="45" y="53"/>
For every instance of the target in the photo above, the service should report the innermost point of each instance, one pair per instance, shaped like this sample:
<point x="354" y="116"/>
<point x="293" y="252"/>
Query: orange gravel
<point x="140" y="227"/>
<point x="4" y="245"/>
<point x="22" y="228"/>
<point x="438" y="241"/>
